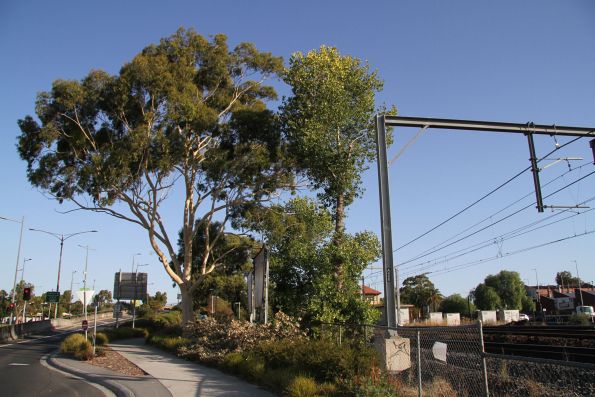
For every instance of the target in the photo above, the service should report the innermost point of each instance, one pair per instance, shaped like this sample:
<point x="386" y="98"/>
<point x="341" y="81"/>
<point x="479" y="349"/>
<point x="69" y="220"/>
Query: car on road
<point x="523" y="317"/>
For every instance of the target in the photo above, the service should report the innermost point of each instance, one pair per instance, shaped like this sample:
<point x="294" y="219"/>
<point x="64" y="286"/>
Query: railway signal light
<point x="26" y="293"/>
<point x="11" y="306"/>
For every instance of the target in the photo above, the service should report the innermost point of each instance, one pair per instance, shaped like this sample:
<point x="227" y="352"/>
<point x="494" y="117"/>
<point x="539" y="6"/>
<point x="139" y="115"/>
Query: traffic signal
<point x="11" y="306"/>
<point x="26" y="293"/>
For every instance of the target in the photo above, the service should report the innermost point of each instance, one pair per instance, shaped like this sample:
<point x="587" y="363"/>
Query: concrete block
<point x="395" y="352"/>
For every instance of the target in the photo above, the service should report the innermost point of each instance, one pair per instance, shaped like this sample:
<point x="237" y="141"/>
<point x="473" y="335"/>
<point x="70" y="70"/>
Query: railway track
<point x="565" y="332"/>
<point x="564" y="353"/>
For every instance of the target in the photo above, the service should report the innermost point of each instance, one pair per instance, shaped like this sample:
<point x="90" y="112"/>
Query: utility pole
<point x="86" y="248"/>
<point x="71" y="285"/>
<point x="16" y="267"/>
<point x="537" y="289"/>
<point x="580" y="290"/>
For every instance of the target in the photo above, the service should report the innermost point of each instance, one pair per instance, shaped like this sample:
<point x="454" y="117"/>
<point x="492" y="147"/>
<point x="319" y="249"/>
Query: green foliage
<point x="184" y="112"/>
<point x="579" y="319"/>
<point x="303" y="263"/>
<point x="101" y="339"/>
<point x="457" y="304"/>
<point x="168" y="342"/>
<point x="527" y="304"/>
<point x="104" y="297"/>
<point x="125" y="333"/>
<point x="323" y="359"/>
<point x="329" y="122"/>
<point x="302" y="386"/>
<point x="420" y="291"/>
<point x="504" y="290"/>
<point x="565" y="278"/>
<point x="486" y="298"/>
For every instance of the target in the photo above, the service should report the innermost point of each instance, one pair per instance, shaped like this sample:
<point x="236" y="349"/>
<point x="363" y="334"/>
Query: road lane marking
<point x="17" y="364"/>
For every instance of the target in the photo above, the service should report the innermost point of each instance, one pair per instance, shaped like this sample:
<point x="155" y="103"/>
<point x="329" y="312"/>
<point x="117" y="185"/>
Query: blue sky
<point x="498" y="61"/>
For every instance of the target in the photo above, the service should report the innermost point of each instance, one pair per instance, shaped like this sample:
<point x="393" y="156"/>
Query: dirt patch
<point x="114" y="361"/>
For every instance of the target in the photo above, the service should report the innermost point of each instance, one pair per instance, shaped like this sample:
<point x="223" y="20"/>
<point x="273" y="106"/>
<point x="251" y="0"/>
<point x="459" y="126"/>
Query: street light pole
<point x="62" y="238"/>
<point x="87" y="248"/>
<point x="71" y="283"/>
<point x="537" y="288"/>
<point x="580" y="290"/>
<point x="16" y="268"/>
<point x="135" y="291"/>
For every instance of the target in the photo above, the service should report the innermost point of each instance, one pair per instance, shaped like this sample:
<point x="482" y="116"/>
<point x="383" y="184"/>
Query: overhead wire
<point x="481" y="198"/>
<point x="489" y="217"/>
<point x="495" y="222"/>
<point x="477" y="262"/>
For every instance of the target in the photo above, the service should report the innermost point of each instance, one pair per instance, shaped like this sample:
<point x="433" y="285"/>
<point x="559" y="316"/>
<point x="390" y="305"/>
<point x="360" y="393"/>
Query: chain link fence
<point x="449" y="361"/>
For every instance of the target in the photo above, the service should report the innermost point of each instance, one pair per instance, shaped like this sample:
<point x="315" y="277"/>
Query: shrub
<point x="71" y="343"/>
<point x="323" y="359"/>
<point x="84" y="351"/>
<point x="232" y="362"/>
<point x="327" y="389"/>
<point x="77" y="345"/>
<point x="253" y="368"/>
<point x="166" y="342"/>
<point x="440" y="388"/>
<point x="101" y="339"/>
<point x="213" y="340"/>
<point x="302" y="386"/>
<point x="579" y="319"/>
<point x="278" y="378"/>
<point x="125" y="333"/>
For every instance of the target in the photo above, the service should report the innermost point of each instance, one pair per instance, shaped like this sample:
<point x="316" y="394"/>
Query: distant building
<point x="371" y="295"/>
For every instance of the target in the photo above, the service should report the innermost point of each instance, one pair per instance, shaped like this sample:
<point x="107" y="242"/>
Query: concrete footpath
<point x="181" y="377"/>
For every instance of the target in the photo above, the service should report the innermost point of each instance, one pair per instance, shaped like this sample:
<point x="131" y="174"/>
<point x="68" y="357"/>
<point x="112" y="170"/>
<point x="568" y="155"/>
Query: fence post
<point x="483" y="360"/>
<point x="419" y="388"/>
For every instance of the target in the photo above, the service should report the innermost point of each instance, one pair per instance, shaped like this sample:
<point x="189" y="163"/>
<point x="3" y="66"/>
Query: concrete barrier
<point x="13" y="332"/>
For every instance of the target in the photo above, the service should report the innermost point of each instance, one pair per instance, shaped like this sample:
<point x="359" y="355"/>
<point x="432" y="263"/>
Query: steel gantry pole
<point x="383" y="121"/>
<point x="386" y="229"/>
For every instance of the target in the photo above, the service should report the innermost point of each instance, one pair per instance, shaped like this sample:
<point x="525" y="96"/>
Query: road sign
<point x="52" y="297"/>
<point x="117" y="310"/>
<point x="85" y="325"/>
<point x="130" y="286"/>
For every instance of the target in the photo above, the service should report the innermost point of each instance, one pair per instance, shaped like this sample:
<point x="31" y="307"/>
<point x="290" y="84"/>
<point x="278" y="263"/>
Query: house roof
<point x="369" y="291"/>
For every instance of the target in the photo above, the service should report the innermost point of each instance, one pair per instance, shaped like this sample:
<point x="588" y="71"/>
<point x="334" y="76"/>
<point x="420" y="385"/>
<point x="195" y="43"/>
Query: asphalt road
<point x="22" y="373"/>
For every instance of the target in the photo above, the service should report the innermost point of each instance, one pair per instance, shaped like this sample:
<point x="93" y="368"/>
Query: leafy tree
<point x="527" y="304"/>
<point x="299" y="235"/>
<point x="510" y="288"/>
<point x="420" y="291"/>
<point x="328" y="121"/>
<point x="456" y="304"/>
<point x="104" y="297"/>
<point x="566" y="279"/>
<point x="486" y="298"/>
<point x="158" y="301"/>
<point x="187" y="113"/>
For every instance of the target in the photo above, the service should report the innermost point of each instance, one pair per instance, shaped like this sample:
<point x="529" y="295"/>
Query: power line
<point x="505" y="208"/>
<point x="483" y="197"/>
<point x="477" y="262"/>
<point x="494" y="223"/>
<point x="487" y="243"/>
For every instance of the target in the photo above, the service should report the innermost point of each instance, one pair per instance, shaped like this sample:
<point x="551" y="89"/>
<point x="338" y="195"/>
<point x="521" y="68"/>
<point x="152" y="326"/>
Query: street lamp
<point x="133" y="255"/>
<point x="135" y="284"/>
<point x="71" y="284"/>
<point x="87" y="248"/>
<point x="23" y="268"/>
<point x="62" y="238"/>
<point x="16" y="268"/>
